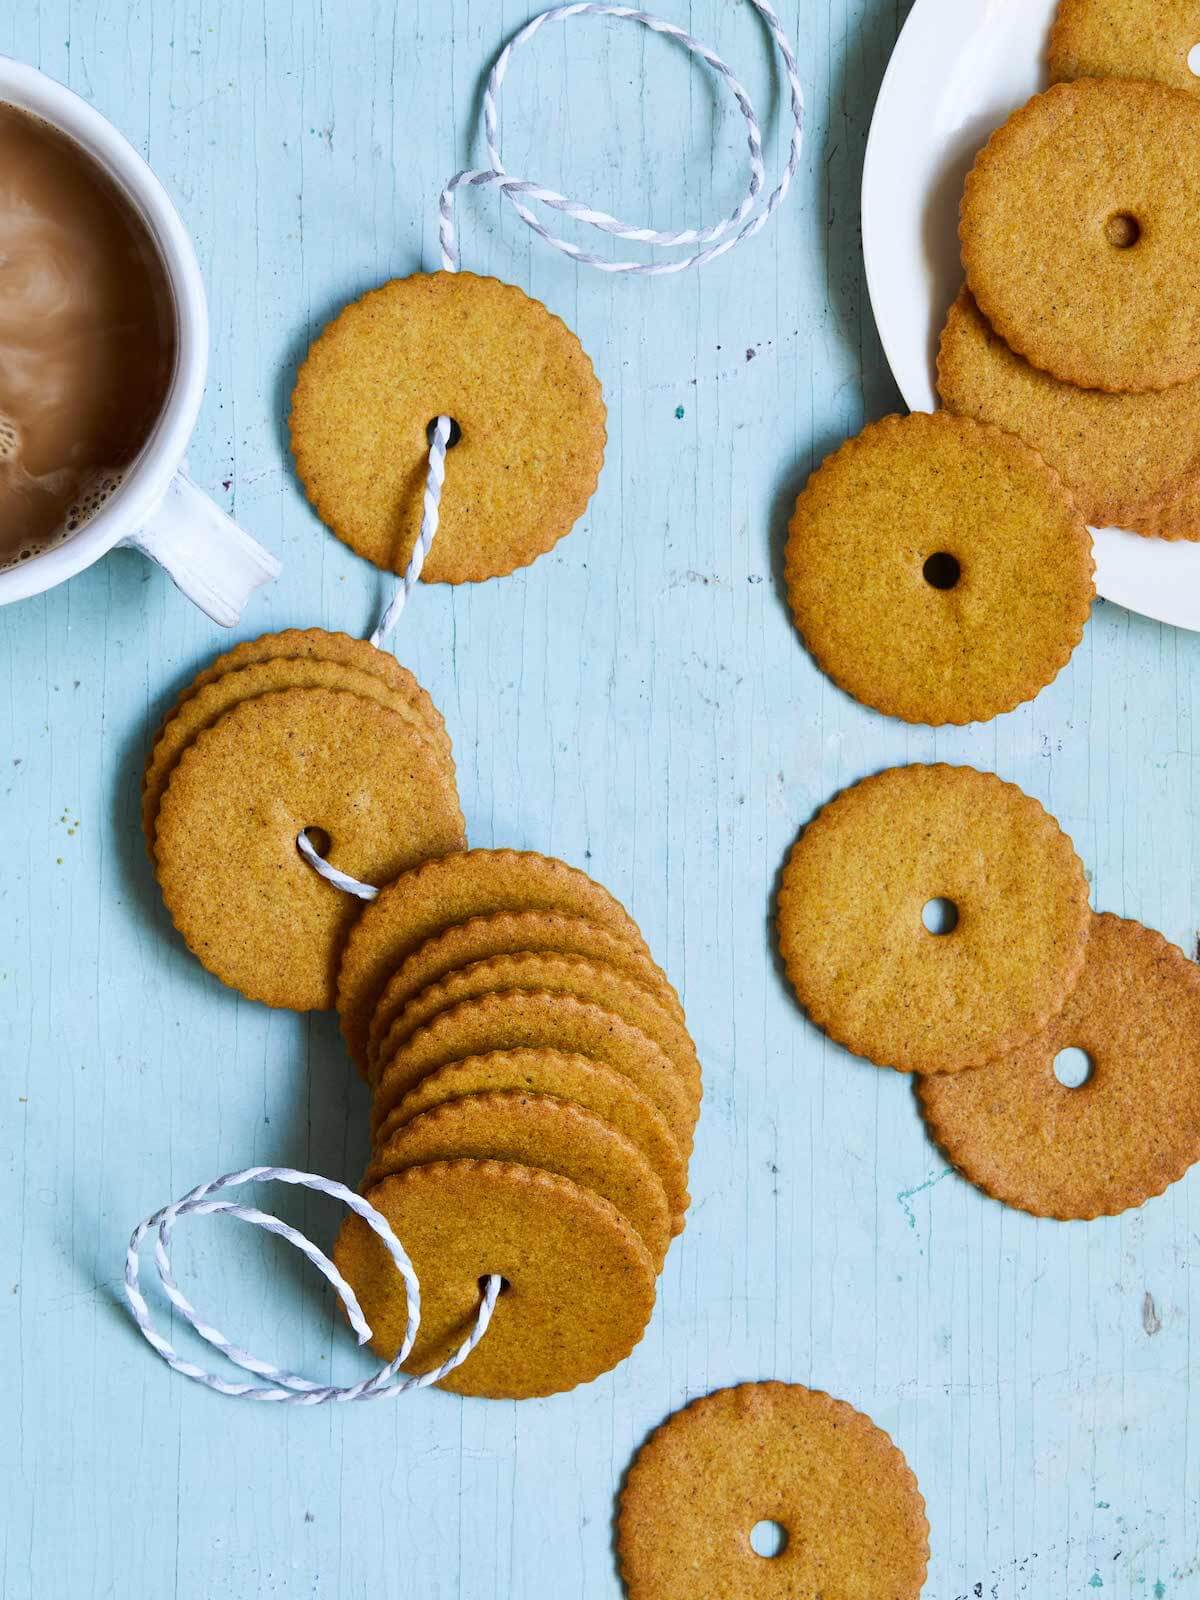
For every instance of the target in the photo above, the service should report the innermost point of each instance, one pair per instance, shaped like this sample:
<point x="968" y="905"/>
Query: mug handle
<point x="204" y="553"/>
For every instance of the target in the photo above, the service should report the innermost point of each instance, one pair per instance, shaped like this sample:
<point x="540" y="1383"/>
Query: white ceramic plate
<point x="959" y="68"/>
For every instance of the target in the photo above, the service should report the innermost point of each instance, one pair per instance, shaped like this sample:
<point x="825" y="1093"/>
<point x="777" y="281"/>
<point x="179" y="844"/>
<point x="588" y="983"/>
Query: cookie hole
<point x="1122" y="230"/>
<point x="768" y="1539"/>
<point x="941" y="570"/>
<point x="320" y="841"/>
<point x="1193" y="59"/>
<point x="505" y="1286"/>
<point x="455" y="432"/>
<point x="940" y="916"/>
<point x="1073" y="1067"/>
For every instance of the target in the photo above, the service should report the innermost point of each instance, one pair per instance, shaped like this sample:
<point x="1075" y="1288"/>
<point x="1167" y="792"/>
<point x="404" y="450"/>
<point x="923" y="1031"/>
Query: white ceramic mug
<point x="157" y="508"/>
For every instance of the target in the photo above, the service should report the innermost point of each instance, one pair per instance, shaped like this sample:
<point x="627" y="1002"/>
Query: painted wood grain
<point x="636" y="702"/>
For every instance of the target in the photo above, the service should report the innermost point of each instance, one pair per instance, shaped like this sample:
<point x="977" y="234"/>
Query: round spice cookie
<point x="514" y="378"/>
<point x="210" y="703"/>
<point x="1078" y="233"/>
<point x="1133" y="1127"/>
<point x="586" y="1083"/>
<point x="866" y="873"/>
<point x="853" y="1519"/>
<point x="1118" y="454"/>
<point x="1177" y="517"/>
<point x="579" y="1282"/>
<point x="527" y="1020"/>
<point x="507" y="933"/>
<point x="536" y="1130"/>
<point x="938" y="570"/>
<point x="476" y="883"/>
<point x="572" y="975"/>
<point x="306" y="643"/>
<point x="1126" y="39"/>
<point x="245" y="900"/>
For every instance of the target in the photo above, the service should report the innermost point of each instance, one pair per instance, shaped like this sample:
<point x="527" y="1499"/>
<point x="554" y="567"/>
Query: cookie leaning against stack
<point x="527" y="1059"/>
<point x="297" y="730"/>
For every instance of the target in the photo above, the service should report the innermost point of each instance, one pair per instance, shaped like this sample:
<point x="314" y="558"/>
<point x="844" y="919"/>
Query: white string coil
<point x="283" y="1387"/>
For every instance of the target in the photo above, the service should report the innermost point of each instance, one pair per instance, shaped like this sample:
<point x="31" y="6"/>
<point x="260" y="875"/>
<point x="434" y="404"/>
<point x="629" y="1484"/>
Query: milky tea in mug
<point x="87" y="335"/>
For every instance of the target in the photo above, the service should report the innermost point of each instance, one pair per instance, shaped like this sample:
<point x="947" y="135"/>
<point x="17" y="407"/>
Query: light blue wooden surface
<point x="636" y="702"/>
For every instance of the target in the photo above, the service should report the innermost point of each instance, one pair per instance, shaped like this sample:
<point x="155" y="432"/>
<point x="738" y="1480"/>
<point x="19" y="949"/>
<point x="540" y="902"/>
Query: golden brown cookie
<point x="1131" y="1129"/>
<point x="246" y="902"/>
<point x="580" y="1282"/>
<point x="852" y="1515"/>
<point x="938" y="570"/>
<point x="587" y="1083"/>
<point x="571" y="975"/>
<point x="852" y="930"/>
<point x="476" y="883"/>
<point x="209" y="703"/>
<point x="506" y="933"/>
<point x="1176" y="517"/>
<point x="513" y="377"/>
<point x="1118" y="454"/>
<point x="536" y="1130"/>
<point x="525" y="1020"/>
<point x="306" y="643"/>
<point x="1078" y="233"/>
<point x="1126" y="39"/>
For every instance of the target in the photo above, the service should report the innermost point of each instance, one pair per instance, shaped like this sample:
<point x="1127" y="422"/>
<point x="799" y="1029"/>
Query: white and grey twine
<point x="280" y="1386"/>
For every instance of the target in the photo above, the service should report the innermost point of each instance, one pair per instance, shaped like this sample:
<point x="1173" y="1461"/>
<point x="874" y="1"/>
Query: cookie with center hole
<point x="305" y="643"/>
<point x="210" y="703"/>
<point x="246" y="902"/>
<point x="1118" y="454"/>
<point x="603" y="985"/>
<point x="507" y="933"/>
<point x="847" y="1517"/>
<point x="522" y="1019"/>
<point x="579" y="1282"/>
<point x="536" y="1130"/>
<point x="566" y="1076"/>
<point x="1156" y="39"/>
<point x="476" y="883"/>
<point x="933" y="918"/>
<point x="530" y="425"/>
<point x="1078" y="233"/>
<point x="938" y="570"/>
<point x="1099" y="1144"/>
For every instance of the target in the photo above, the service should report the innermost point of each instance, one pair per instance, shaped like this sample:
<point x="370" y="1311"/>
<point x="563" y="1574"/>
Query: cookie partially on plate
<point x="1121" y="456"/>
<point x="1078" y="233"/>
<point x="1155" y="39"/>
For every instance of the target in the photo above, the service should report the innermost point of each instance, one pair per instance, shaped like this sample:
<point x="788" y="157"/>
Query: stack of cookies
<point x="1079" y="326"/>
<point x="534" y="1098"/>
<point x="936" y="920"/>
<point x="302" y="731"/>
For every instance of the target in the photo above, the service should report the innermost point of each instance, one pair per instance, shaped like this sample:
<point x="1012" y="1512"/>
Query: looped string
<point x="281" y="1386"/>
<point x="284" y="1387"/>
<point x="741" y="224"/>
<point x="716" y="239"/>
